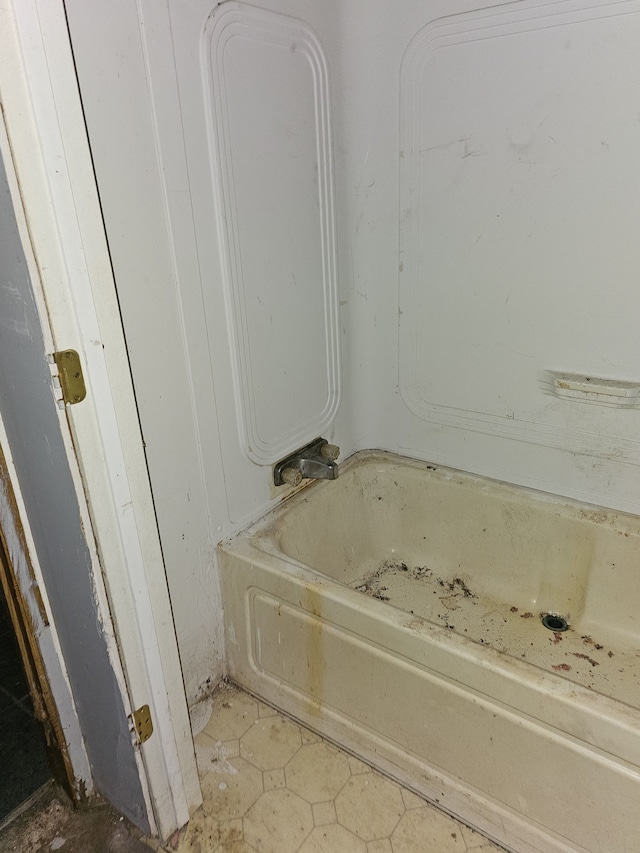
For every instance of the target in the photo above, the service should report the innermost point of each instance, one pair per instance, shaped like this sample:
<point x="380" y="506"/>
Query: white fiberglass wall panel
<point x="491" y="197"/>
<point x="267" y="93"/>
<point x="255" y="113"/>
<point x="521" y="195"/>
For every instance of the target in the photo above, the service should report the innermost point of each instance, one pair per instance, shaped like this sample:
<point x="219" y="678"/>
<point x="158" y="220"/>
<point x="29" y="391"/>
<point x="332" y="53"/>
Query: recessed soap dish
<point x="591" y="389"/>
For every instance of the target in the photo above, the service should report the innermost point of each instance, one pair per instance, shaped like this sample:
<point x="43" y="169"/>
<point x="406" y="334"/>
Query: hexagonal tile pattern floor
<point x="272" y="786"/>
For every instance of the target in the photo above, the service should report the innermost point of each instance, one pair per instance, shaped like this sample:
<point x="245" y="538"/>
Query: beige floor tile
<point x="437" y="833"/>
<point x="229" y="795"/>
<point x="233" y="713"/>
<point x="213" y="759"/>
<point x="203" y="739"/>
<point x="278" y="822"/>
<point x="273" y="779"/>
<point x="266" y="710"/>
<point x="370" y="806"/>
<point x="233" y="846"/>
<point x="382" y="845"/>
<point x="231" y="832"/>
<point x="356" y="766"/>
<point x="411" y="800"/>
<point x="232" y="748"/>
<point x="317" y="772"/>
<point x="200" y="714"/>
<point x="231" y="840"/>
<point x="310" y="737"/>
<point x="271" y="786"/>
<point x="324" y="813"/>
<point x="204" y="759"/>
<point x="270" y="742"/>
<point x="201" y="834"/>
<point x="333" y="839"/>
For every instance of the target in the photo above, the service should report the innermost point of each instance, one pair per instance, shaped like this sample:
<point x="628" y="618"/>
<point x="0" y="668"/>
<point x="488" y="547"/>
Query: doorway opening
<point x="23" y="753"/>
<point x="33" y="750"/>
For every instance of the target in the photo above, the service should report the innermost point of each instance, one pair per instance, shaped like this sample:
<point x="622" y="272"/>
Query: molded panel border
<point x="258" y="440"/>
<point x="485" y="24"/>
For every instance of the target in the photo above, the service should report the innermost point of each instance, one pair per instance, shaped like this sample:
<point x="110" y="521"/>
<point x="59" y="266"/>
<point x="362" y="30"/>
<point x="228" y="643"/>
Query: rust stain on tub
<point x="316" y="662"/>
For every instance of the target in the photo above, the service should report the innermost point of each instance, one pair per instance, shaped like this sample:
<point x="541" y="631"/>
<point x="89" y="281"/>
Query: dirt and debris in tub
<point x="433" y="600"/>
<point x="586" y="657"/>
<point x="372" y="586"/>
<point x="455" y="586"/>
<point x="373" y="583"/>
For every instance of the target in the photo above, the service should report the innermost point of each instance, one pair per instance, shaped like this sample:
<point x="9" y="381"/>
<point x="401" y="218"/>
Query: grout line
<point x="40" y="792"/>
<point x="17" y="702"/>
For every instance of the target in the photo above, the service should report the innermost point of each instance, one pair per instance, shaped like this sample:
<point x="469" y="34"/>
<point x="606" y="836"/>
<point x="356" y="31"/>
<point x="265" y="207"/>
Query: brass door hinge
<point x="70" y="376"/>
<point x="143" y="723"/>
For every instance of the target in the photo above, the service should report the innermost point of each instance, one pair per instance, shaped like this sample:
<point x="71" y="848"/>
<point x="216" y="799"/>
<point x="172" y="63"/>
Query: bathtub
<point x="398" y="611"/>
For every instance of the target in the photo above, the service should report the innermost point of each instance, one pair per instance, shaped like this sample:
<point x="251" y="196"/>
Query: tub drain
<point x="555" y="623"/>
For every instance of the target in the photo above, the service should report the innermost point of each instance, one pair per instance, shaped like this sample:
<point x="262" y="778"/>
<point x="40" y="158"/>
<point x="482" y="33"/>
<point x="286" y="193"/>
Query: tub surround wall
<point x="439" y="224"/>
<point x="478" y="145"/>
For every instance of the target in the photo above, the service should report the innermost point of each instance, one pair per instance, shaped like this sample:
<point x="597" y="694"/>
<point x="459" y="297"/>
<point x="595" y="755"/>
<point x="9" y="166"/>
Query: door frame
<point x="58" y="210"/>
<point x="21" y="585"/>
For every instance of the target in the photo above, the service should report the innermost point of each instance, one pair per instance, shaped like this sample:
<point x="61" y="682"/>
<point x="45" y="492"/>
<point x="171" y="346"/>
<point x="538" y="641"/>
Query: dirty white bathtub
<point x="397" y="610"/>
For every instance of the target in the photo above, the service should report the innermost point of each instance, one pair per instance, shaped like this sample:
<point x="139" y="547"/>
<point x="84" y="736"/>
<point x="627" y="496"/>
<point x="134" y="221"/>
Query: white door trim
<point x="44" y="120"/>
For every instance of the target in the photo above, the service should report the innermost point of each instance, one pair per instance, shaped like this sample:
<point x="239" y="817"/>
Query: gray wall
<point x="31" y="421"/>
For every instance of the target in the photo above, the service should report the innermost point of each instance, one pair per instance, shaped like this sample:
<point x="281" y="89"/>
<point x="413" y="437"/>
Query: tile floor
<point x="23" y="761"/>
<point x="271" y="786"/>
<point x="49" y="823"/>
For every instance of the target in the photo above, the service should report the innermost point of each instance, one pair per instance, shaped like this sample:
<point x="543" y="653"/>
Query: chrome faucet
<point x="316" y="460"/>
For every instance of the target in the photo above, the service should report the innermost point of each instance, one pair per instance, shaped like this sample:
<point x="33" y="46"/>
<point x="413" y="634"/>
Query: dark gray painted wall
<point x="31" y="421"/>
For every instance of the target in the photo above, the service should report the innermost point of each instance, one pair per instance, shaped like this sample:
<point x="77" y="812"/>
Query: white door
<point x="81" y="468"/>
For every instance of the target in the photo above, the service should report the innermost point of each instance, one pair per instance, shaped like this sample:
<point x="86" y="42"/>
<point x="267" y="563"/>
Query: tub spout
<point x="317" y="461"/>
